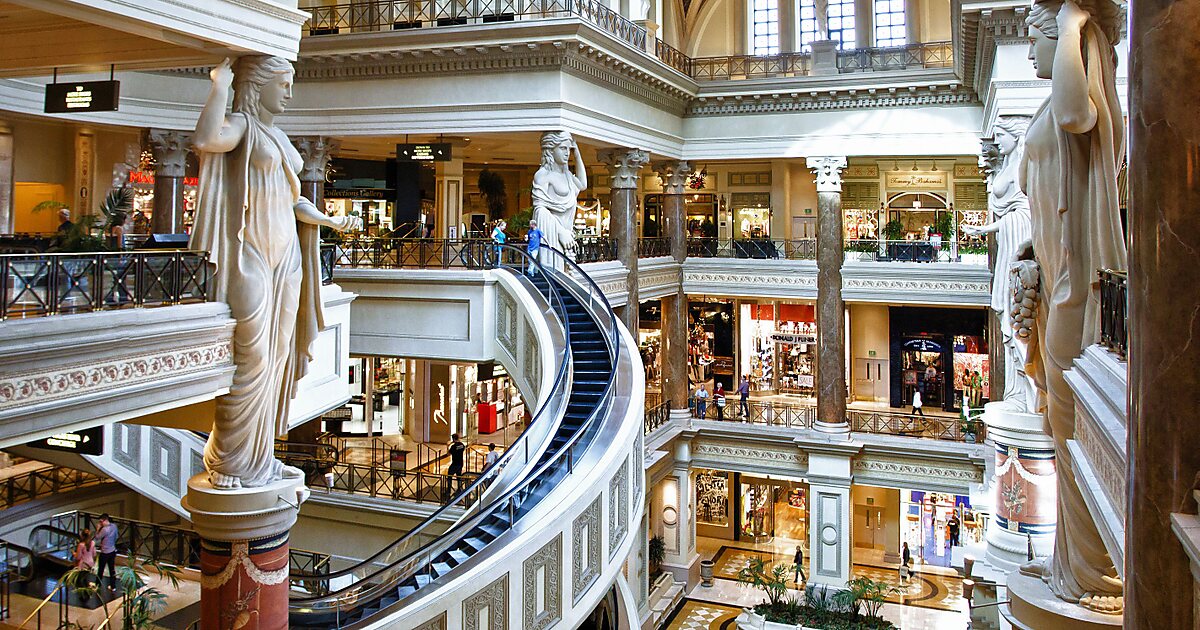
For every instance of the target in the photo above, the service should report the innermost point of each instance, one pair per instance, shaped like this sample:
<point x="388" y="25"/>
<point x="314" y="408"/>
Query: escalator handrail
<point x="510" y="453"/>
<point x="455" y="533"/>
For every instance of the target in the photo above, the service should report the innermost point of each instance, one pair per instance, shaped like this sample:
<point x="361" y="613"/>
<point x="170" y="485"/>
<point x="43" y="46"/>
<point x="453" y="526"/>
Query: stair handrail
<point x="403" y="568"/>
<point x="552" y="296"/>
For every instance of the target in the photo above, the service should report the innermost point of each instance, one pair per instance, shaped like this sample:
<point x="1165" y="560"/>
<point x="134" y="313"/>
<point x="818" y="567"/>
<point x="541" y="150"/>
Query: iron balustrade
<point x="382" y="15"/>
<point x="653" y="399"/>
<point x="673" y="57"/>
<point x="804" y="416"/>
<point x="730" y="67"/>
<point x="159" y="543"/>
<point x="37" y="285"/>
<point x="779" y="249"/>
<point x="40" y="483"/>
<point x="399" y="484"/>
<point x="595" y="249"/>
<point x="906" y="424"/>
<point x="923" y="55"/>
<point x="652" y="247"/>
<point x="657" y="416"/>
<point x="328" y="255"/>
<point x="1114" y="318"/>
<point x="898" y="251"/>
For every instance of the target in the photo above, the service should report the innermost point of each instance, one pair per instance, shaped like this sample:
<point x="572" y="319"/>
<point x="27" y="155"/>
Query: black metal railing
<point x="36" y="285"/>
<point x="163" y="544"/>
<point x="595" y="249"/>
<point x="653" y="246"/>
<point x="898" y="251"/>
<point x="653" y="399"/>
<point x="382" y="15"/>
<point x="923" y="55"/>
<point x="796" y="249"/>
<point x="328" y="256"/>
<point x="1114" y="319"/>
<point x="906" y="424"/>
<point x="804" y="416"/>
<point x="415" y="253"/>
<point x="41" y="483"/>
<point x="396" y="484"/>
<point x="657" y="416"/>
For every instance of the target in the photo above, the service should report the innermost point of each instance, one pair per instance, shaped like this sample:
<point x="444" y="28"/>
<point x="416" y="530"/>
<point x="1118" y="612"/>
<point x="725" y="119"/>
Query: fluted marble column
<point x="6" y="178"/>
<point x="316" y="151"/>
<point x="831" y="321"/>
<point x="1164" y="392"/>
<point x="673" y="175"/>
<point x="170" y="150"/>
<point x="624" y="167"/>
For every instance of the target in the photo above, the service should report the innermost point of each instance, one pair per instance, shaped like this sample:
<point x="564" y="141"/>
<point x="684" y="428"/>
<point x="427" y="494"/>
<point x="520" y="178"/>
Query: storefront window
<point x="712" y="498"/>
<point x="778" y="347"/>
<point x="591" y="218"/>
<point x="971" y="385"/>
<point x="375" y="213"/>
<point x="758" y="507"/>
<point x="926" y="518"/>
<point x="921" y="361"/>
<point x="701" y="211"/>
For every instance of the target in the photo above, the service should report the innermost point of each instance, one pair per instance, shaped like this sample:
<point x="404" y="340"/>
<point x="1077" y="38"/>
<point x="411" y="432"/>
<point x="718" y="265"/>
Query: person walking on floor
<point x="744" y="397"/>
<point x="719" y="401"/>
<point x="701" y="401"/>
<point x="800" y="566"/>
<point x="916" y="403"/>
<point x="955" y="526"/>
<point x="498" y="237"/>
<point x="533" y="244"/>
<point x="905" y="564"/>
<point x="106" y="541"/>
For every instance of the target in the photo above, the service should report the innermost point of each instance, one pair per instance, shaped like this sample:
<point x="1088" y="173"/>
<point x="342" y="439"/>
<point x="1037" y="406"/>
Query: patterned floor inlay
<point x="701" y="615"/>
<point x="924" y="589"/>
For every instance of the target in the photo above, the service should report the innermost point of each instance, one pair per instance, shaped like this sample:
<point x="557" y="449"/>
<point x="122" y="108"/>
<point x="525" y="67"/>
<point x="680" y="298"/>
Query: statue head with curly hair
<point x="261" y="82"/>
<point x="1043" y="29"/>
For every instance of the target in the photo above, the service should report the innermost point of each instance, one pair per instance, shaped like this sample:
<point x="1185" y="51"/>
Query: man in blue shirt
<point x="106" y="544"/>
<point x="533" y="243"/>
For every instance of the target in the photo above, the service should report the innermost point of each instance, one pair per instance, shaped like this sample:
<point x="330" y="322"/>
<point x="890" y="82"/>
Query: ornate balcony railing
<point x="35" y="285"/>
<point x="804" y="416"/>
<point x="673" y="57"/>
<point x="657" y="416"/>
<point x="899" y="251"/>
<point x="397" y="484"/>
<point x="796" y="249"/>
<point x="651" y="247"/>
<point x="595" y="249"/>
<point x="908" y="425"/>
<point x="382" y="15"/>
<point x="748" y="66"/>
<point x="429" y="253"/>
<point x="41" y="483"/>
<point x="924" y="55"/>
<point x="1114" y="321"/>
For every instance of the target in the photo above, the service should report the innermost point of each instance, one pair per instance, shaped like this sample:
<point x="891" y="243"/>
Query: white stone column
<point x="449" y="197"/>
<point x="830" y="529"/>
<point x="679" y="518"/>
<point x="6" y="178"/>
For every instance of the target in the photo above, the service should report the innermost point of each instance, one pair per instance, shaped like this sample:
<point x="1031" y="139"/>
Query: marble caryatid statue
<point x="556" y="193"/>
<point x="263" y="246"/>
<point x="1069" y="172"/>
<point x="1009" y="209"/>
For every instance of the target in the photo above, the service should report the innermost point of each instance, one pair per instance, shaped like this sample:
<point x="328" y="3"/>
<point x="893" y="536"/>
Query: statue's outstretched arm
<point x="1073" y="108"/>
<point x="306" y="212"/>
<point x="215" y="133"/>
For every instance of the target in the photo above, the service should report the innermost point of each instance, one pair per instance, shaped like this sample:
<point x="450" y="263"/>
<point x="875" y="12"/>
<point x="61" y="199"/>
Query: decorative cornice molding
<point x="900" y="470"/>
<point x="832" y="99"/>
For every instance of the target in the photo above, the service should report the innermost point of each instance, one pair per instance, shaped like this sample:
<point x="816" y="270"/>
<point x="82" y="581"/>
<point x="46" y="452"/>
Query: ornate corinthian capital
<point x="673" y="174"/>
<point x="828" y="171"/>
<point x="170" y="150"/>
<point x="623" y="165"/>
<point x="316" y="151"/>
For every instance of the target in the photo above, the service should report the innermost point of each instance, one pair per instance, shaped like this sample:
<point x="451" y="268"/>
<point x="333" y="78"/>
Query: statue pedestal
<point x="1033" y="606"/>
<point x="244" y="551"/>
<point x="1025" y="492"/>
<point x="824" y="57"/>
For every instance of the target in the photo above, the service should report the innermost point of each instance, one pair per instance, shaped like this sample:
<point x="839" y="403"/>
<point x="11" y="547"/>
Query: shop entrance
<point x="934" y="523"/>
<point x="778" y="347"/>
<point x="941" y="352"/>
<point x="710" y="344"/>
<point x="749" y="508"/>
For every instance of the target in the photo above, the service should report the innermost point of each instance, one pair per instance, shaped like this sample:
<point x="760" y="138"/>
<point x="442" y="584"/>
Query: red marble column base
<point x="244" y="584"/>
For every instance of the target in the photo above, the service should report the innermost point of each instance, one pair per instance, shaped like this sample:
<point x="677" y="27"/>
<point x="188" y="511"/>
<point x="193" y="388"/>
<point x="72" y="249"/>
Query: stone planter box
<point x="750" y="620"/>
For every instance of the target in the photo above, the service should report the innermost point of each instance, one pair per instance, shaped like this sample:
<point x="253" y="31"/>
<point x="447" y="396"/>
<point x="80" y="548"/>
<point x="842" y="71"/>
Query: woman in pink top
<point x="85" y="551"/>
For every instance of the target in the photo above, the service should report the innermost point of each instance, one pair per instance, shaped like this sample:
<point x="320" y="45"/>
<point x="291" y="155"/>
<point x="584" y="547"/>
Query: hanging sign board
<point x="922" y="345"/>
<point x="85" y="442"/>
<point x="85" y="96"/>
<point x="436" y="152"/>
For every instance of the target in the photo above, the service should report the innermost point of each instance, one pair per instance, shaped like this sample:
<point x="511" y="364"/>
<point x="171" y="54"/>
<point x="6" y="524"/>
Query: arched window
<point x="891" y="28"/>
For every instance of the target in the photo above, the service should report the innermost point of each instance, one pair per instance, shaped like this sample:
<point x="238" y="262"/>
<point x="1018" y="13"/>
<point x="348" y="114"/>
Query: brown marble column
<point x="1164" y="392"/>
<point x="170" y="150"/>
<point x="316" y="151"/>
<point x="624" y="166"/>
<point x="831" y="320"/>
<point x="6" y="178"/>
<point x="673" y="175"/>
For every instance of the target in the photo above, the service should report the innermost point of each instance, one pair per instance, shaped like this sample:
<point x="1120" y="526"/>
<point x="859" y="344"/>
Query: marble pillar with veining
<point x="1164" y="290"/>
<point x="170" y="149"/>
<point x="316" y="152"/>
<point x="624" y="167"/>
<point x="6" y="179"/>
<point x="831" y="322"/>
<point x="673" y="175"/>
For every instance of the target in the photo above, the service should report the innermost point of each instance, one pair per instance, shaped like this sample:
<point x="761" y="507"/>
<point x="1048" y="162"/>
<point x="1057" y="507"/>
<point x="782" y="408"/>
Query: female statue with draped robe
<point x="263" y="244"/>
<point x="1069" y="172"/>
<point x="556" y="193"/>
<point x="1009" y="208"/>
